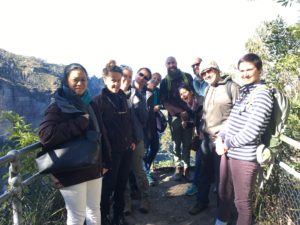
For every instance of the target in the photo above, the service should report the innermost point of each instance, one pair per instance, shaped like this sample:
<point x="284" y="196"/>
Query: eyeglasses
<point x="194" y="65"/>
<point x="144" y="76"/>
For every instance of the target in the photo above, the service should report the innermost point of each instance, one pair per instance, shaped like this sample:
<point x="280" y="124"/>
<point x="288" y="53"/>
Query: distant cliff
<point x="26" y="85"/>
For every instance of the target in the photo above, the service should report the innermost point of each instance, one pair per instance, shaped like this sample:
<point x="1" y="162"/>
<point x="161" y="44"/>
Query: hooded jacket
<point x="218" y="102"/>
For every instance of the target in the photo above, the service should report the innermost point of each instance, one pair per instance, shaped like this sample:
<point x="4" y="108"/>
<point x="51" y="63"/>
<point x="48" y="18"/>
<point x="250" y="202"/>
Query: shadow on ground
<point x="170" y="206"/>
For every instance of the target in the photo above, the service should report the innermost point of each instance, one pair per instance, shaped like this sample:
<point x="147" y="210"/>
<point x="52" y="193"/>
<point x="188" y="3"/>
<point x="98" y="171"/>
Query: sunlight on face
<point x="77" y="81"/>
<point x="156" y="79"/>
<point x="126" y="78"/>
<point x="186" y="95"/>
<point x="113" y="81"/>
<point x="210" y="76"/>
<point x="142" y="77"/>
<point x="249" y="73"/>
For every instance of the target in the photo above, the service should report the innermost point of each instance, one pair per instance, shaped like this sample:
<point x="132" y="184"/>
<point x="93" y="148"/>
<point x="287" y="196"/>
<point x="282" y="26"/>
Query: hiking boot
<point x="128" y="208"/>
<point x="145" y="205"/>
<point x="178" y="173"/>
<point x="119" y="220"/>
<point x="198" y="208"/>
<point x="187" y="175"/>
<point x="192" y="190"/>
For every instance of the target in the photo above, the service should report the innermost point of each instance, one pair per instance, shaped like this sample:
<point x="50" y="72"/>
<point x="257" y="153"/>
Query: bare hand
<point x="104" y="171"/>
<point x="55" y="182"/>
<point x="132" y="146"/>
<point x="220" y="146"/>
<point x="156" y="108"/>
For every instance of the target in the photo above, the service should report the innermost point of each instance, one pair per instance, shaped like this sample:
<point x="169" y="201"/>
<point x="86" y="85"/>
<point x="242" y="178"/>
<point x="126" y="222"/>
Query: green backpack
<point x="270" y="140"/>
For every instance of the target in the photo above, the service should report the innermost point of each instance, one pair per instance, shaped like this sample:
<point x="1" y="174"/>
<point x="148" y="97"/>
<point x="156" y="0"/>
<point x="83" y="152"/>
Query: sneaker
<point x="178" y="173"/>
<point x="145" y="205"/>
<point x="153" y="175"/>
<point x="192" y="190"/>
<point x="187" y="175"/>
<point x="198" y="208"/>
<point x="150" y="179"/>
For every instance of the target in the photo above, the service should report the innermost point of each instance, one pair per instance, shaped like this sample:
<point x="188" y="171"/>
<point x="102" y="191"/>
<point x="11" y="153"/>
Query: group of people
<point x="209" y="110"/>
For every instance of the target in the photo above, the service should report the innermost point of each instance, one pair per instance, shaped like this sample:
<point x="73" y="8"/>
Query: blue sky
<point x="135" y="32"/>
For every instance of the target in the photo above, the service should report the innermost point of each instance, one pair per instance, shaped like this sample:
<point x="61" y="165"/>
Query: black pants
<point x="114" y="183"/>
<point x="208" y="170"/>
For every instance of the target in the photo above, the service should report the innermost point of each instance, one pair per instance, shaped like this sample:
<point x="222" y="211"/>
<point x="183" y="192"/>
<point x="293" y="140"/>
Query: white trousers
<point x="83" y="202"/>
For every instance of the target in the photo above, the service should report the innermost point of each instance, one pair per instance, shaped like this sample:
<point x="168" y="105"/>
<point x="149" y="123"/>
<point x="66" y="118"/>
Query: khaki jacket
<point x="218" y="102"/>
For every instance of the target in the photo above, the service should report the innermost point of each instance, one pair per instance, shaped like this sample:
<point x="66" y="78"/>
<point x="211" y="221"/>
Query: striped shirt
<point x="247" y="122"/>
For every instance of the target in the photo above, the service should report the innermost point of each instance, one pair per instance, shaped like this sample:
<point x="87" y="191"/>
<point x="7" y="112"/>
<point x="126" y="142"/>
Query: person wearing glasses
<point x="137" y="102"/>
<point x="219" y="99"/>
<point x="198" y="83"/>
<point x="199" y="86"/>
<point x="177" y="108"/>
<point x="112" y="105"/>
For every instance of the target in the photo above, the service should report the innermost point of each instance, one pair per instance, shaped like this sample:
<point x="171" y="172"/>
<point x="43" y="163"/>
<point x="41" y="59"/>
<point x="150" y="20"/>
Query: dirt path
<point x="169" y="205"/>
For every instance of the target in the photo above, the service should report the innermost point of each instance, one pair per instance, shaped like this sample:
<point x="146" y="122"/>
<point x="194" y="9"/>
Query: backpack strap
<point x="184" y="77"/>
<point x="254" y="92"/>
<point x="228" y="88"/>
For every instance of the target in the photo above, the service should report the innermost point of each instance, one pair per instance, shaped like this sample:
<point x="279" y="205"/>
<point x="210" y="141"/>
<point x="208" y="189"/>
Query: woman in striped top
<point x="238" y="141"/>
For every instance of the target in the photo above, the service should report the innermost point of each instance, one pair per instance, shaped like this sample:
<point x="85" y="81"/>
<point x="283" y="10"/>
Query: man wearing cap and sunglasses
<point x="219" y="99"/>
<point x="177" y="113"/>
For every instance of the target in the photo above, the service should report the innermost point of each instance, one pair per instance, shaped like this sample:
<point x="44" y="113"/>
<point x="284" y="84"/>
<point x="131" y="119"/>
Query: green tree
<point x="35" y="211"/>
<point x="279" y="46"/>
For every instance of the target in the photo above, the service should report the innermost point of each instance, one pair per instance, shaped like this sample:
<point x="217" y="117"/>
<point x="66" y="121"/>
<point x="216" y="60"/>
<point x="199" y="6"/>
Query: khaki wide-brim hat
<point x="206" y="65"/>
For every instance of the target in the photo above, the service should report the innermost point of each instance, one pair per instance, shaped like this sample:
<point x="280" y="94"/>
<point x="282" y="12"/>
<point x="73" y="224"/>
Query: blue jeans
<point x="151" y="150"/>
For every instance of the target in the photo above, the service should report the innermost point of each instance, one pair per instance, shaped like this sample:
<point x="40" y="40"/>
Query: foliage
<point x="279" y="47"/>
<point x="34" y="197"/>
<point x="20" y="135"/>
<point x="286" y="3"/>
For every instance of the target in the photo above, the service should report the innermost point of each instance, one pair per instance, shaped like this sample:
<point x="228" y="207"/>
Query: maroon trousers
<point x="237" y="179"/>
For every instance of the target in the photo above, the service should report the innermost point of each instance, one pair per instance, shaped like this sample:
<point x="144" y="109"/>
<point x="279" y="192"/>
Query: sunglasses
<point x="203" y="74"/>
<point x="194" y="65"/>
<point x="144" y="76"/>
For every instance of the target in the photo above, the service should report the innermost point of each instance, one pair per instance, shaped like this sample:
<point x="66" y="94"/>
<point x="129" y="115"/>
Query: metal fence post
<point x="15" y="183"/>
